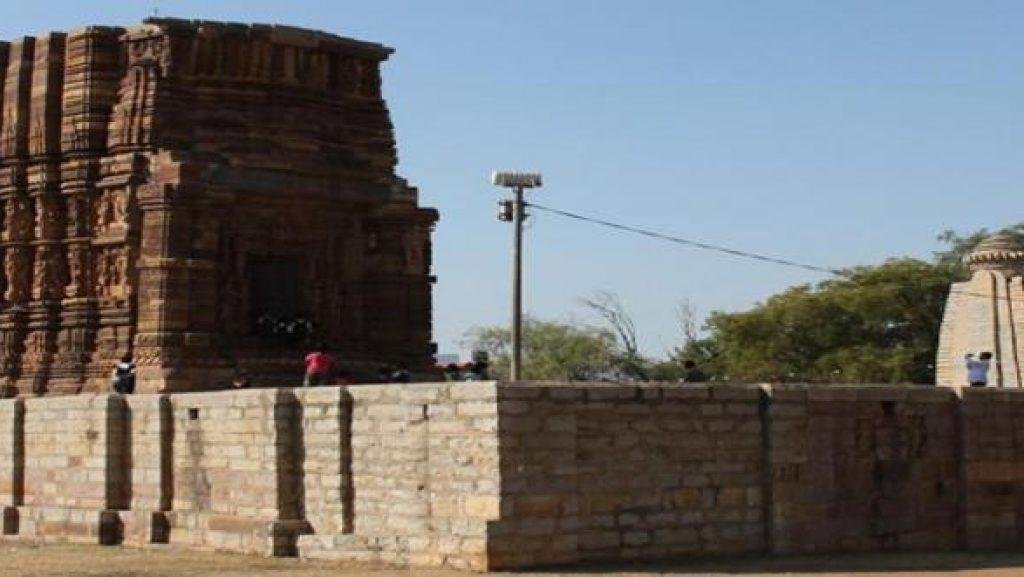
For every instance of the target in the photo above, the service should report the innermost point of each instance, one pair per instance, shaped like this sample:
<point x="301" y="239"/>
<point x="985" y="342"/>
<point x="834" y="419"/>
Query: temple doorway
<point x="275" y="299"/>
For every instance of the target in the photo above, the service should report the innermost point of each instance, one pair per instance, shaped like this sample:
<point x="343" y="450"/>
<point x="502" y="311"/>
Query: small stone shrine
<point x="210" y="197"/>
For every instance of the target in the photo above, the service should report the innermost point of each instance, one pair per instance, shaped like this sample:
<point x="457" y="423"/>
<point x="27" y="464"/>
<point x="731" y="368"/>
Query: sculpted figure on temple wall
<point x="37" y="141"/>
<point x="104" y="274"/>
<point x="77" y="272"/>
<point x="120" y="270"/>
<point x="111" y="211"/>
<point x="17" y="218"/>
<point x="47" y="217"/>
<point x="111" y="273"/>
<point x="77" y="216"/>
<point x="16" y="270"/>
<point x="118" y="206"/>
<point x="148" y="51"/>
<point x="35" y="343"/>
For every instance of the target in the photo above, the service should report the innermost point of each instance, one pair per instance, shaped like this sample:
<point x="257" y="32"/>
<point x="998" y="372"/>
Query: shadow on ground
<point x="878" y="564"/>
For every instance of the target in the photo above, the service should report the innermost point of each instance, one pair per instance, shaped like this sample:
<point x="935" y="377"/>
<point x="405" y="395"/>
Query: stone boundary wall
<point x="501" y="476"/>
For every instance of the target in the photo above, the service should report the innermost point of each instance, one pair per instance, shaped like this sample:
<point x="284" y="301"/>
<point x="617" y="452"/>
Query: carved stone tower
<point x="986" y="313"/>
<point x="206" y="196"/>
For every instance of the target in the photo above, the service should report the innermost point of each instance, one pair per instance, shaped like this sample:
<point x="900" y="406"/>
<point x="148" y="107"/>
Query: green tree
<point x="551" y="350"/>
<point x="877" y="324"/>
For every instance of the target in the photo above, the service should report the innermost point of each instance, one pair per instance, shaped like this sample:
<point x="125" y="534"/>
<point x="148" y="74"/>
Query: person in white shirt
<point x="977" y="370"/>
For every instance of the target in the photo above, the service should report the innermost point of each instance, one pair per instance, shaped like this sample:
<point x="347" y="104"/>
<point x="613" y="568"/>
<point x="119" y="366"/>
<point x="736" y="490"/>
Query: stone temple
<point x="986" y="313"/>
<point x="180" y="190"/>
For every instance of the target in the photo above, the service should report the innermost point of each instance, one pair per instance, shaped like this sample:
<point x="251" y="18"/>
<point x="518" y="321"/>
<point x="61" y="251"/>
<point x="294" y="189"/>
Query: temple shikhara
<point x="209" y="197"/>
<point x="986" y="314"/>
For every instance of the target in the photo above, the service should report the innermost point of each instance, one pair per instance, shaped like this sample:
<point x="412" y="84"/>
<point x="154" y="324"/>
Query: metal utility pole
<point x="514" y="210"/>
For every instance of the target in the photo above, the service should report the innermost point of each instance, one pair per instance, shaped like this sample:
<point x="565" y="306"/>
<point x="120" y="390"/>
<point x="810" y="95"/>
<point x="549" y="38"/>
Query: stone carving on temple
<point x="10" y="351"/>
<point x="35" y="344"/>
<point x="77" y="137"/>
<point x="17" y="263"/>
<point x="9" y="134"/>
<point x="17" y="218"/>
<point x="48" y="279"/>
<point x="37" y="140"/>
<point x="146" y="64"/>
<point x="111" y="274"/>
<point x="47" y="219"/>
<point x="111" y="212"/>
<point x="78" y="271"/>
<point x="78" y="216"/>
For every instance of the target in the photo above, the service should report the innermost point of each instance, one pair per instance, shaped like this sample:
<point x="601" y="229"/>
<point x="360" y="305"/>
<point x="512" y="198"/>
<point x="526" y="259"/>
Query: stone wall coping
<point x="730" y="390"/>
<point x="81" y="401"/>
<point x="275" y="33"/>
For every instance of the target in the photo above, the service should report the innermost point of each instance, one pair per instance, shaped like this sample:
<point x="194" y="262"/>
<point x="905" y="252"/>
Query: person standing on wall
<point x="241" y="379"/>
<point x="320" y="367"/>
<point x="401" y="374"/>
<point x="977" y="369"/>
<point x="452" y="372"/>
<point x="123" y="376"/>
<point x="692" y="373"/>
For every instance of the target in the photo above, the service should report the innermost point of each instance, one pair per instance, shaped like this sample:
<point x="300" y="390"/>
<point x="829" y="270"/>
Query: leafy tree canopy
<point x="877" y="324"/>
<point x="874" y="324"/>
<point x="880" y="324"/>
<point x="552" y="350"/>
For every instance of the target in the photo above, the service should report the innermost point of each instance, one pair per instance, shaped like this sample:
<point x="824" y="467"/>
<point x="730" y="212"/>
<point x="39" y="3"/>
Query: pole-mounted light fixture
<point x="516" y="179"/>
<point x="513" y="210"/>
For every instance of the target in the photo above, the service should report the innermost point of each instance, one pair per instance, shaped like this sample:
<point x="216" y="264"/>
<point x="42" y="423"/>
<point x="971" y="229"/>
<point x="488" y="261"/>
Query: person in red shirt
<point x="320" y="366"/>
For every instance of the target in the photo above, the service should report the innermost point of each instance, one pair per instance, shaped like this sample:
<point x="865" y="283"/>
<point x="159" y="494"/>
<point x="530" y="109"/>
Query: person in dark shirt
<point x="692" y="373"/>
<point x="123" y="376"/>
<point x="452" y="372"/>
<point x="401" y="375"/>
<point x="241" y="379"/>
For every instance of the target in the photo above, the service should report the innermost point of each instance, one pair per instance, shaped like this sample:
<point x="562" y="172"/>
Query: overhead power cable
<point x="693" y="243"/>
<point x="848" y="275"/>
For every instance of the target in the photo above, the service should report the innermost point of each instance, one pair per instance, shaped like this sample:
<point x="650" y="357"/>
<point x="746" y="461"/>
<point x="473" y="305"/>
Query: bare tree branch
<point x="608" y="306"/>
<point x="686" y="314"/>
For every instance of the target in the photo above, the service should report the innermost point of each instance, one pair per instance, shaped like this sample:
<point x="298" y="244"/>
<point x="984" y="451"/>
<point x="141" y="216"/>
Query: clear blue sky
<point x="837" y="133"/>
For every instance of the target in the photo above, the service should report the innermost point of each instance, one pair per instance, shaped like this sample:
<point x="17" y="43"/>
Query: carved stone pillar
<point x="46" y="283"/>
<point x="174" y="347"/>
<point x="17" y="271"/>
<point x="113" y="251"/>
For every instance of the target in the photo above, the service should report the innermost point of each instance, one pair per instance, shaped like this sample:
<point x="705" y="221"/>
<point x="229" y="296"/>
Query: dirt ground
<point x="85" y="560"/>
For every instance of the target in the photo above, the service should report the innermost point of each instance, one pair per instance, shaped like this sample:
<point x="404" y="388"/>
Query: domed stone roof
<point x="1000" y="251"/>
